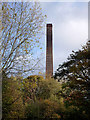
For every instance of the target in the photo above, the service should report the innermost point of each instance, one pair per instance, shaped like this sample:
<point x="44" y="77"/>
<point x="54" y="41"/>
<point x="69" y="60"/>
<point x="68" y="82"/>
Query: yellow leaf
<point x="2" y="28"/>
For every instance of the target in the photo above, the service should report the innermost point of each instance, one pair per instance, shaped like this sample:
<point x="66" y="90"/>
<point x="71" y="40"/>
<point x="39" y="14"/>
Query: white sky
<point x="70" y="27"/>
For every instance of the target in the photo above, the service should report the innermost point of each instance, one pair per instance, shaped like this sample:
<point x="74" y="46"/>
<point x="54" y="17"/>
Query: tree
<point x="30" y="87"/>
<point x="22" y="24"/>
<point x="12" y="102"/>
<point x="76" y="69"/>
<point x="75" y="73"/>
<point x="43" y="105"/>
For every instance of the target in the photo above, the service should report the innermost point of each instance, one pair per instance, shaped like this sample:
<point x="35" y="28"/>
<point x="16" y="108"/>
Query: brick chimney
<point x="49" y="51"/>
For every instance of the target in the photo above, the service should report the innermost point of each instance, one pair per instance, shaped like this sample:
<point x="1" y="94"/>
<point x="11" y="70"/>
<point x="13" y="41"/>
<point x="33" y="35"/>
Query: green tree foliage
<point x="49" y="86"/>
<point x="12" y="103"/>
<point x="76" y="69"/>
<point x="46" y="104"/>
<point x="37" y="98"/>
<point x="76" y="66"/>
<point x="43" y="109"/>
<point x="22" y="24"/>
<point x="75" y="88"/>
<point x="36" y="87"/>
<point x="32" y="97"/>
<point x="30" y="87"/>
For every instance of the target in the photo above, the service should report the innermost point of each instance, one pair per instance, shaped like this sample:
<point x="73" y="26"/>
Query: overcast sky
<point x="70" y="27"/>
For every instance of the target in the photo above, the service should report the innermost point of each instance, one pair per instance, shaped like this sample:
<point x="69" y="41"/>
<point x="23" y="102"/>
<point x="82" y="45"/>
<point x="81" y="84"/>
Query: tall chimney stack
<point x="49" y="51"/>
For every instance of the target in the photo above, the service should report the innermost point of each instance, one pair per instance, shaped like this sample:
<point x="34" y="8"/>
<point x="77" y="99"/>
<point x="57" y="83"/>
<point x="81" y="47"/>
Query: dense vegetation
<point x="75" y="73"/>
<point x="36" y="97"/>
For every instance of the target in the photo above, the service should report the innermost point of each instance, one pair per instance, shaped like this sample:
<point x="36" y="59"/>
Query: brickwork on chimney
<point x="49" y="51"/>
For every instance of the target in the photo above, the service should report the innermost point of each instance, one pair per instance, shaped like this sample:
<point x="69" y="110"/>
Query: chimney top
<point x="49" y="25"/>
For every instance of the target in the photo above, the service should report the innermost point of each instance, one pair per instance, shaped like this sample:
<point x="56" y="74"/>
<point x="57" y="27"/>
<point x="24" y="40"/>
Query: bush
<point x="12" y="103"/>
<point x="47" y="104"/>
<point x="42" y="109"/>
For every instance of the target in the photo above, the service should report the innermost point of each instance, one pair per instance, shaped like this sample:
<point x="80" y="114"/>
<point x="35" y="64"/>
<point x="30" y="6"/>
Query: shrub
<point x="12" y="104"/>
<point x="42" y="109"/>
